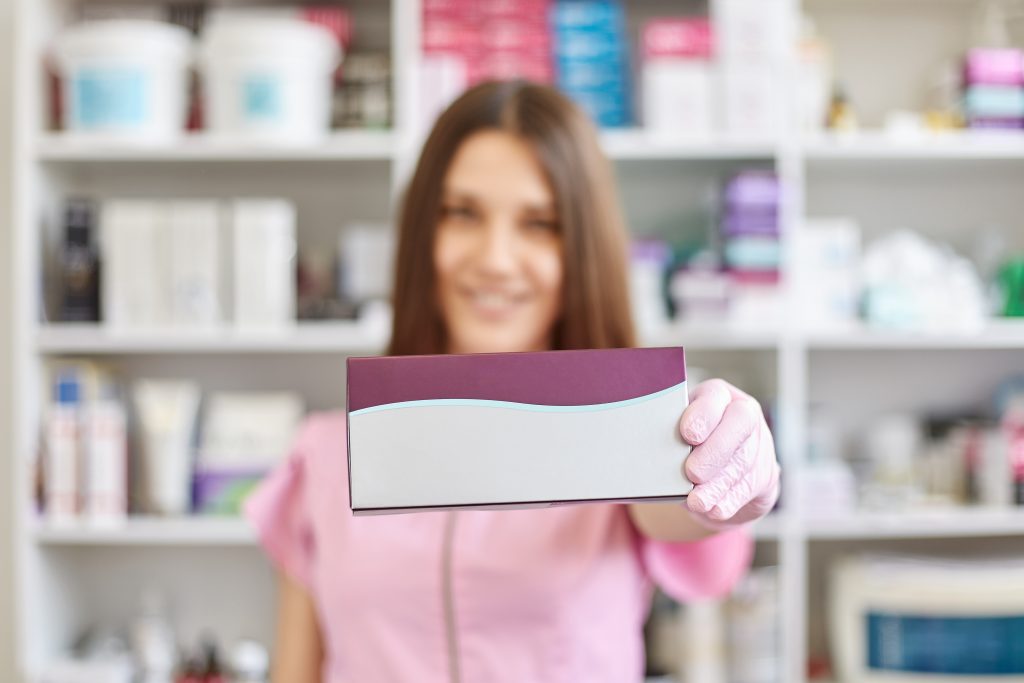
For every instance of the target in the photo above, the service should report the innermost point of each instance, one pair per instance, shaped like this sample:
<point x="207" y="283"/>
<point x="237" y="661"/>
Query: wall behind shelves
<point x="7" y="669"/>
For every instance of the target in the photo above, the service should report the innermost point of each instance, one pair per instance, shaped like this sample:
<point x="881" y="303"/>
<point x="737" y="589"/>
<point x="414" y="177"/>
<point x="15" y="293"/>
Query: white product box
<point x="367" y="252"/>
<point x="828" y="271"/>
<point x="516" y="429"/>
<point x="750" y="98"/>
<point x="752" y="28"/>
<point x="677" y="97"/>
<point x="263" y="232"/>
<point x="196" y="279"/>
<point x="133" y="244"/>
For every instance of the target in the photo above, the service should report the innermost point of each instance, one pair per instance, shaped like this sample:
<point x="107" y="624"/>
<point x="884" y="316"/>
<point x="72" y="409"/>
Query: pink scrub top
<point x="553" y="594"/>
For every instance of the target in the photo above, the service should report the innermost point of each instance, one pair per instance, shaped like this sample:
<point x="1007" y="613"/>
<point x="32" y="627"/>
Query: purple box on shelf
<point x="994" y="66"/>
<point x="735" y="223"/>
<point x="994" y="123"/>
<point x="514" y="430"/>
<point x="222" y="492"/>
<point x="756" y="190"/>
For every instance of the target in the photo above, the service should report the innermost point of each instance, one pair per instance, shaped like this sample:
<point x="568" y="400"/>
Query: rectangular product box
<point x="677" y="97"/>
<point x="196" y="262"/>
<point x="994" y="66"/>
<point x="750" y="104"/>
<point x="996" y="101"/>
<point x="516" y="430"/>
<point x="134" y="282"/>
<point x="263" y="231"/>
<point x="677" y="38"/>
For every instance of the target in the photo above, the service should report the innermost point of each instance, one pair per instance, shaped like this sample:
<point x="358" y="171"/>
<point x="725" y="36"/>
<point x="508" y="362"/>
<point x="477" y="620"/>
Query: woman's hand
<point x="732" y="465"/>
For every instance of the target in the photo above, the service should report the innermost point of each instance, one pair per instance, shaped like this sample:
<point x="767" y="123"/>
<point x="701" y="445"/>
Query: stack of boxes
<point x="591" y="58"/>
<point x="751" y="248"/>
<point x="497" y="39"/>
<point x="466" y="42"/>
<point x="676" y="77"/>
<point x="994" y="89"/>
<point x="751" y="39"/>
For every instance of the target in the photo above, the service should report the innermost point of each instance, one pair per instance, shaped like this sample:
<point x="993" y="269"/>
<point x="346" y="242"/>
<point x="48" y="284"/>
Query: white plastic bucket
<point x="268" y="80"/>
<point x="124" y="79"/>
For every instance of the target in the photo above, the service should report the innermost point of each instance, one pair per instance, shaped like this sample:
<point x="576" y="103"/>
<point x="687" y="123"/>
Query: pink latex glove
<point x="733" y="463"/>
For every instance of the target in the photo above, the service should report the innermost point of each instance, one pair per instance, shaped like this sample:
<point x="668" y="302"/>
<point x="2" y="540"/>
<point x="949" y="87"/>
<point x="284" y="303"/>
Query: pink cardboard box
<point x="514" y="430"/>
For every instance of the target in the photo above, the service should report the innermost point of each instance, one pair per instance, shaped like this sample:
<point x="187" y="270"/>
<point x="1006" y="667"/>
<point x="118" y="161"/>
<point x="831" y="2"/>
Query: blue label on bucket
<point x="108" y="97"/>
<point x="261" y="98"/>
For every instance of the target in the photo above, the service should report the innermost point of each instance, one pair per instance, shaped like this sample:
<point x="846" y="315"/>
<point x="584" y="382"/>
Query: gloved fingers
<point x="765" y="501"/>
<point x="751" y="497"/>
<point x="706" y="494"/>
<point x="736" y="498"/>
<point x="743" y="498"/>
<point x="707" y="407"/>
<point x="733" y="482"/>
<point x="757" y="508"/>
<point x="742" y="419"/>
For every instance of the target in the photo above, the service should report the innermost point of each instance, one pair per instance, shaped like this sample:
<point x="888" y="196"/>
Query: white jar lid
<point x="270" y="39"/>
<point x="123" y="38"/>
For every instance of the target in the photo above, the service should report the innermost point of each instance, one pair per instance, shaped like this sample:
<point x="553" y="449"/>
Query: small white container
<point x="124" y="80"/>
<point x="268" y="79"/>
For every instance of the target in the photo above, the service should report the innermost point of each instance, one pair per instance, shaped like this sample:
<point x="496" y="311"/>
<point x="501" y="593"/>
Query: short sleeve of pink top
<point x="547" y="595"/>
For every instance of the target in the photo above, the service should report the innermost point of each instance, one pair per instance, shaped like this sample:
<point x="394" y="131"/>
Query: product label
<point x="261" y="97"/>
<point x="109" y="97"/>
<point x="973" y="645"/>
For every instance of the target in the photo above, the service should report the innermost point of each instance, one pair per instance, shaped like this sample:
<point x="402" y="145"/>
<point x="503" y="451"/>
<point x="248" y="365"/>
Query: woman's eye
<point x="459" y="213"/>
<point x="542" y="225"/>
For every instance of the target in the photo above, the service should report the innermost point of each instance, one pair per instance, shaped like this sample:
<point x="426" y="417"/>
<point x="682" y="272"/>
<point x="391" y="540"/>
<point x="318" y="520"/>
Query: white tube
<point x="167" y="411"/>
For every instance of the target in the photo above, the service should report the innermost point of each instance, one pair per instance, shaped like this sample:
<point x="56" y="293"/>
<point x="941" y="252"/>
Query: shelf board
<point x="952" y="146"/>
<point x="147" y="531"/>
<point x="1000" y="333"/>
<point x="369" y="145"/>
<point x="307" y="337"/>
<point x="637" y="145"/>
<point x="938" y="523"/>
<point x="326" y="337"/>
<point x="344" y="145"/>
<point x="208" y="531"/>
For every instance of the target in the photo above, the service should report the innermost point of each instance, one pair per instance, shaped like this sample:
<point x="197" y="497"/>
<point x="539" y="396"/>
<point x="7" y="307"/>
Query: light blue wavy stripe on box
<point x="535" y="407"/>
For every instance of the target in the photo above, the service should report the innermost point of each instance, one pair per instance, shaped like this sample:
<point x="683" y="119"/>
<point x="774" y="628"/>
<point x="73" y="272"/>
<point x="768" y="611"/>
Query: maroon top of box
<point x="559" y="378"/>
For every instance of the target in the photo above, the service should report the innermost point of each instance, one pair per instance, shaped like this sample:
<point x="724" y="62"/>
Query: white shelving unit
<point x="356" y="145"/>
<point x="876" y="147"/>
<point x="68" y="576"/>
<point x="95" y="340"/>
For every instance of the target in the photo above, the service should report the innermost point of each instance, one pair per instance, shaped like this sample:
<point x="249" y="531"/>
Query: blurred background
<point x="825" y="205"/>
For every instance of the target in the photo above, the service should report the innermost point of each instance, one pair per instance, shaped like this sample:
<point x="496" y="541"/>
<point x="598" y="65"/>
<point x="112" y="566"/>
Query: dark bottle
<point x="80" y="293"/>
<point x="212" y="670"/>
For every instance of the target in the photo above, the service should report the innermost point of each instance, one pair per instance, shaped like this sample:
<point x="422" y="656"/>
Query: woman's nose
<point x="497" y="254"/>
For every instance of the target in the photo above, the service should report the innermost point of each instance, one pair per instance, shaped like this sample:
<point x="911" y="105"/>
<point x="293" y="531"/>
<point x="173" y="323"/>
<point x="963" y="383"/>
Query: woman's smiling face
<point x="498" y="249"/>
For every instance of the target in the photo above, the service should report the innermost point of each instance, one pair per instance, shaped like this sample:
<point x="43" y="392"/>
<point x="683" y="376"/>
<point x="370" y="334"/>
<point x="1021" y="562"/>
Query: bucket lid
<point x="114" y="36"/>
<point x="267" y="37"/>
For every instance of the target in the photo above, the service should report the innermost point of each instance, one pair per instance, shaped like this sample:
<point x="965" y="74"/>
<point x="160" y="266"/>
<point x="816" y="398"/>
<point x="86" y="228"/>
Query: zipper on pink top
<point x="450" y="629"/>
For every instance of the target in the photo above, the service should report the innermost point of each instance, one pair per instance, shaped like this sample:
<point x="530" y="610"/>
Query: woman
<point x="510" y="240"/>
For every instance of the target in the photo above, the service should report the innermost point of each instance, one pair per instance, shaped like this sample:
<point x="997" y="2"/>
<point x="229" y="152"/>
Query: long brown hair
<point x="595" y="297"/>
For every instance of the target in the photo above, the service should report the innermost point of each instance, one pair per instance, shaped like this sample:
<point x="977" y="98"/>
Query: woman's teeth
<point x="490" y="301"/>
